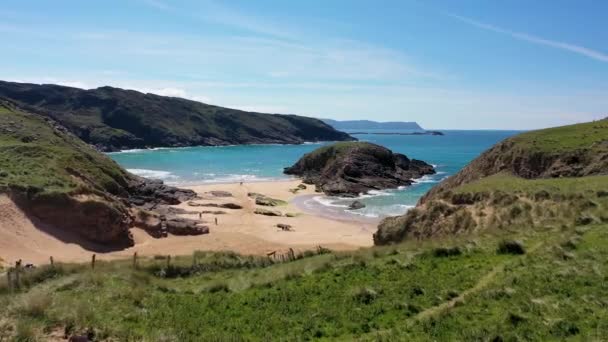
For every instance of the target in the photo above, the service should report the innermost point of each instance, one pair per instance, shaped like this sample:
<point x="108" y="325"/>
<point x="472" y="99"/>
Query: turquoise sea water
<point x="200" y="165"/>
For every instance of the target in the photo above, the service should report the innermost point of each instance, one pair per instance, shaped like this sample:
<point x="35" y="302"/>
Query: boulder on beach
<point x="220" y="193"/>
<point x="267" y="212"/>
<point x="356" y="205"/>
<point x="216" y="205"/>
<point x="352" y="168"/>
<point x="284" y="227"/>
<point x="264" y="200"/>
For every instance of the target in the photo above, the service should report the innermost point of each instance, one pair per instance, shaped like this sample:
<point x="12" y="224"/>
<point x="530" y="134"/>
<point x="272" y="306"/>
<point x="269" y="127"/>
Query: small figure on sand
<point x="241" y="183"/>
<point x="216" y="221"/>
<point x="200" y="216"/>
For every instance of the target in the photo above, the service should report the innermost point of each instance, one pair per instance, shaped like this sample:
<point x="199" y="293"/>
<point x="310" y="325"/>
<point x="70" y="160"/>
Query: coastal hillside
<point x="113" y="119"/>
<point x="550" y="177"/>
<point x="525" y="285"/>
<point x="352" y="168"/>
<point x="60" y="181"/>
<point x="367" y="124"/>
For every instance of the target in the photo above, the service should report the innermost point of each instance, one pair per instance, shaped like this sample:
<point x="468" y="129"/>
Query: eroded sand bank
<point x="239" y="230"/>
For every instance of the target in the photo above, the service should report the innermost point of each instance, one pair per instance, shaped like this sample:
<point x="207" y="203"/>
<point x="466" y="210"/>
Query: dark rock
<point x="284" y="227"/>
<point x="356" y="205"/>
<point x="267" y="212"/>
<point x="511" y="247"/>
<point x="216" y="205"/>
<point x="214" y="212"/>
<point x="218" y="193"/>
<point x="183" y="226"/>
<point x="144" y="190"/>
<point x="301" y="186"/>
<point x="348" y="169"/>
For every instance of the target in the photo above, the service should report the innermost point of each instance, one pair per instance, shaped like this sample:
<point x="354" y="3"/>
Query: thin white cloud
<point x="157" y="4"/>
<point x="581" y="50"/>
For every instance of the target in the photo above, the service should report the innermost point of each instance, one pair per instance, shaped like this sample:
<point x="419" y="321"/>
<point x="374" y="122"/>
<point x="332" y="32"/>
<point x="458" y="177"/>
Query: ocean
<point x="224" y="164"/>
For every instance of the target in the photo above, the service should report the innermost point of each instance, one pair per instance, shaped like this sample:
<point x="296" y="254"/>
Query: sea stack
<point x="351" y="168"/>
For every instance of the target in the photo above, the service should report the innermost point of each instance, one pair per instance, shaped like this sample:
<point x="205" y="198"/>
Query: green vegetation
<point x="340" y="148"/>
<point x="114" y="119"/>
<point x="450" y="289"/>
<point x="515" y="185"/>
<point x="566" y="138"/>
<point x="40" y="159"/>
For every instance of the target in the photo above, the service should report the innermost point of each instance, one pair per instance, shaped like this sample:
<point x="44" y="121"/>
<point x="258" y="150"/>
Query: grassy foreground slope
<point x="443" y="290"/>
<point x="114" y="119"/>
<point x="551" y="177"/>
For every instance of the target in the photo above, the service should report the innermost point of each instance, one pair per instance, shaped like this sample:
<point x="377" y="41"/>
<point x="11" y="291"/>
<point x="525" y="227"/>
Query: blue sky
<point x="445" y="64"/>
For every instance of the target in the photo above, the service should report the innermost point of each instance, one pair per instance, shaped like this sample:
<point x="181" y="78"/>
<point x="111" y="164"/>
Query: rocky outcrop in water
<point x="352" y="168"/>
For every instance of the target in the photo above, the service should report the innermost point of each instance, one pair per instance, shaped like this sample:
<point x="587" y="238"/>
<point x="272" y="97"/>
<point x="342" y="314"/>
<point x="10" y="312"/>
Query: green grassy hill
<point x="113" y="119"/>
<point x="550" y="177"/>
<point x="59" y="180"/>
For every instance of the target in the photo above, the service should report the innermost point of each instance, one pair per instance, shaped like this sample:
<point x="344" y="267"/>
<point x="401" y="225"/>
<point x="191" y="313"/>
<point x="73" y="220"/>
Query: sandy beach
<point x="239" y="230"/>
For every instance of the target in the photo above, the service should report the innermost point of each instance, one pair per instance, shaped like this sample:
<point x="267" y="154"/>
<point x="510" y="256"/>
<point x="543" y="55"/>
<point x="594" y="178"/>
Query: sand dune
<point x="241" y="230"/>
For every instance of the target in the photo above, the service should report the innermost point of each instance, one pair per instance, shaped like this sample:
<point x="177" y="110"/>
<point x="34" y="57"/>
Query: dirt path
<point x="480" y="285"/>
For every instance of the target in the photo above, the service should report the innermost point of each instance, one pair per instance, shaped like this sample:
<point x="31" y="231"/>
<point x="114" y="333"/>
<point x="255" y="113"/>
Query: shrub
<point x="26" y="332"/>
<point x="584" y="220"/>
<point x="511" y="247"/>
<point x="447" y="251"/>
<point x="365" y="295"/>
<point x="218" y="287"/>
<point x="452" y="294"/>
<point x="35" y="304"/>
<point x="602" y="193"/>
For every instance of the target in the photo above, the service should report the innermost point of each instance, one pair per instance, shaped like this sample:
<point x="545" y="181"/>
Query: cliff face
<point x="61" y="181"/>
<point x="356" y="167"/>
<point x="112" y="119"/>
<point x="548" y="177"/>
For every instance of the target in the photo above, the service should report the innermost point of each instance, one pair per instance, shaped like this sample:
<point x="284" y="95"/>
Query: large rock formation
<point x="112" y="119"/>
<point x="352" y="168"/>
<point x="550" y="177"/>
<point x="58" y="179"/>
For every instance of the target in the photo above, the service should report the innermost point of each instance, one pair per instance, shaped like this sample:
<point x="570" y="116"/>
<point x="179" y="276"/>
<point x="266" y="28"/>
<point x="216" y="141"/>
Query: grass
<point x="40" y="160"/>
<point x="511" y="184"/>
<point x="396" y="292"/>
<point x="565" y="138"/>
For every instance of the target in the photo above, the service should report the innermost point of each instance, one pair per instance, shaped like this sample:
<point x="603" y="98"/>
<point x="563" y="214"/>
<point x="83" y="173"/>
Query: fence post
<point x="9" y="279"/>
<point x="17" y="275"/>
<point x="93" y="262"/>
<point x="135" y="260"/>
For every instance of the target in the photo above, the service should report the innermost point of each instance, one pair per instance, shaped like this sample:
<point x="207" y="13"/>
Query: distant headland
<point x="367" y="124"/>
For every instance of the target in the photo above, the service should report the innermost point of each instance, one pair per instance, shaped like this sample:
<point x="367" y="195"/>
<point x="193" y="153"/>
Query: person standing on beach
<point x="200" y="216"/>
<point x="216" y="221"/>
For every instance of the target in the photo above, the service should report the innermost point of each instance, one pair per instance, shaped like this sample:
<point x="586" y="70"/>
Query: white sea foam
<point x="157" y="174"/>
<point x="329" y="201"/>
<point x="426" y="179"/>
<point x="138" y="150"/>
<point x="383" y="211"/>
<point x="234" y="178"/>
